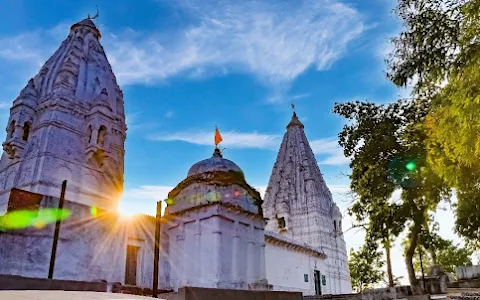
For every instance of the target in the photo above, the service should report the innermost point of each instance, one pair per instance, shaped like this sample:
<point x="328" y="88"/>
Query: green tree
<point x="449" y="257"/>
<point x="453" y="256"/>
<point x="386" y="145"/>
<point x="396" y="281"/>
<point x="439" y="50"/>
<point x="365" y="267"/>
<point x="386" y="226"/>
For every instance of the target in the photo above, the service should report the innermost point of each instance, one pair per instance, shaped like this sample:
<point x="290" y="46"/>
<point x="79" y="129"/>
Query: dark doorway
<point x="131" y="265"/>
<point x="316" y="280"/>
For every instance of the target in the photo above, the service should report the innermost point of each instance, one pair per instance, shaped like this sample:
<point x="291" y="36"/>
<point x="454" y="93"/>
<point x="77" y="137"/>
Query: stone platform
<point x="463" y="293"/>
<point x="188" y="293"/>
<point x="193" y="293"/>
<point x="62" y="295"/>
<point x="10" y="282"/>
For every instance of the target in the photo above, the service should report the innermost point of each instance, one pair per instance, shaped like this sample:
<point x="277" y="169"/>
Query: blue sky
<point x="188" y="65"/>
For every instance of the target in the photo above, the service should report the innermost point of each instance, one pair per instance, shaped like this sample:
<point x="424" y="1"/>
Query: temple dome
<point x="216" y="163"/>
<point x="212" y="181"/>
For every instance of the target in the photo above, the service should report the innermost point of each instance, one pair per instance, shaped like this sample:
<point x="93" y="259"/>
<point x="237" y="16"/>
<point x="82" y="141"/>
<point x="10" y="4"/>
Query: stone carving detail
<point x="29" y="90"/>
<point x="66" y="105"/>
<point x="10" y="150"/>
<point x="298" y="193"/>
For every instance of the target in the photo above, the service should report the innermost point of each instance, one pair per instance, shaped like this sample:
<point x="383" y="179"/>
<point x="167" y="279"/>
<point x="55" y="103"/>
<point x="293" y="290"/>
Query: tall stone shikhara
<point x="299" y="205"/>
<point x="68" y="123"/>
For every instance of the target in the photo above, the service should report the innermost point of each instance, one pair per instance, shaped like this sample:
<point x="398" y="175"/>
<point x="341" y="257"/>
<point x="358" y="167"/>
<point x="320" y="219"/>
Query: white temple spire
<point x="73" y="112"/>
<point x="298" y="204"/>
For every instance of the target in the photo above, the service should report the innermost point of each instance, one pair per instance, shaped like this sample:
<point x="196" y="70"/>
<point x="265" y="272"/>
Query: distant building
<point x="68" y="123"/>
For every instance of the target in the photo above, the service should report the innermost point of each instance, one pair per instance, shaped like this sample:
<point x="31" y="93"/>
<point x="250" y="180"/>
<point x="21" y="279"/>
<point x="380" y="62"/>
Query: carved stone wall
<point x="68" y="123"/>
<point x="214" y="230"/>
<point x="91" y="247"/>
<point x="298" y="204"/>
<point x="213" y="246"/>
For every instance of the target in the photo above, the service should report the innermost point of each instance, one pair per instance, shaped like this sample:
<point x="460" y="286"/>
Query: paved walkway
<point x="64" y="295"/>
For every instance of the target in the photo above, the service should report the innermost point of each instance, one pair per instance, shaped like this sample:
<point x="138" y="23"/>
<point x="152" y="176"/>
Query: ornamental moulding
<point x="293" y="246"/>
<point x="217" y="178"/>
<point x="219" y="206"/>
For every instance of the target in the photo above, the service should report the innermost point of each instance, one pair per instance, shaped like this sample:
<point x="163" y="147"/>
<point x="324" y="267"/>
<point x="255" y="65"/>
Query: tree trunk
<point x="433" y="255"/>
<point x="416" y="289"/>
<point x="389" y="266"/>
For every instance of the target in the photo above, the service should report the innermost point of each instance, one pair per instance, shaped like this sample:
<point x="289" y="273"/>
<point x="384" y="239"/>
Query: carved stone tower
<point x="299" y="204"/>
<point x="68" y="123"/>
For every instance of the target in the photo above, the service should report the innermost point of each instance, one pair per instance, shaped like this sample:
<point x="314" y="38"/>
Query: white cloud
<point x="22" y="48"/>
<point x="231" y="139"/>
<point x="327" y="149"/>
<point x="330" y="148"/>
<point x="339" y="189"/>
<point x="33" y="48"/>
<point x="148" y="192"/>
<point x="143" y="199"/>
<point x="5" y="104"/>
<point x="300" y="96"/>
<point x="132" y="118"/>
<point x="261" y="190"/>
<point x="274" y="41"/>
<point x="136" y="123"/>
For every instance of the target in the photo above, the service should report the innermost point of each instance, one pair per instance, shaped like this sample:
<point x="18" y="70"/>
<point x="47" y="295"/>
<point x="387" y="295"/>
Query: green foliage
<point x="449" y="256"/>
<point x="383" y="141"/>
<point x="365" y="267"/>
<point x="427" y="49"/>
<point x="442" y="252"/>
<point x="453" y="256"/>
<point x="440" y="49"/>
<point x="396" y="280"/>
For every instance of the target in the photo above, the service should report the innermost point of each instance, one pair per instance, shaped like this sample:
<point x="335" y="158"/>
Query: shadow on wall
<point x="92" y="246"/>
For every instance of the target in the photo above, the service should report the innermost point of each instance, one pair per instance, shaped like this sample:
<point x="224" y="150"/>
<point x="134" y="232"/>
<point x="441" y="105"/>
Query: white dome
<point x="214" y="164"/>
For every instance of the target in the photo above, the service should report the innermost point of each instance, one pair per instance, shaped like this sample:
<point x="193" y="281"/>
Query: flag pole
<point x="215" y="135"/>
<point x="156" y="252"/>
<point x="57" y="231"/>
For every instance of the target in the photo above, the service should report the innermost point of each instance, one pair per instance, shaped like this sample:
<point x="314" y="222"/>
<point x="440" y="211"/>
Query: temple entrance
<point x="316" y="280"/>
<point x="131" y="265"/>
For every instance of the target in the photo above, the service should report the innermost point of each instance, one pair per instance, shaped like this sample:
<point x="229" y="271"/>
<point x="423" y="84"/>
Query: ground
<point x="61" y="295"/>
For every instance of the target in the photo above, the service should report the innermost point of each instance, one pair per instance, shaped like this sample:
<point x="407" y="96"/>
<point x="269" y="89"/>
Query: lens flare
<point x="18" y="219"/>
<point x="21" y="219"/>
<point x="93" y="211"/>
<point x="410" y="166"/>
<point x="213" y="196"/>
<point x="39" y="224"/>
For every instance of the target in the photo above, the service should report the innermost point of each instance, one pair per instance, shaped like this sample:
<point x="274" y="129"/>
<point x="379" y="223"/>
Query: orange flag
<point x="218" y="137"/>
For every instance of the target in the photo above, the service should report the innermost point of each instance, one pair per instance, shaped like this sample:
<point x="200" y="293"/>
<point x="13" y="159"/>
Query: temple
<point x="299" y="205"/>
<point x="68" y="123"/>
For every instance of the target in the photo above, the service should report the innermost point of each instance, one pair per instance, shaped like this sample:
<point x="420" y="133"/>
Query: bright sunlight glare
<point x="130" y="208"/>
<point x="126" y="210"/>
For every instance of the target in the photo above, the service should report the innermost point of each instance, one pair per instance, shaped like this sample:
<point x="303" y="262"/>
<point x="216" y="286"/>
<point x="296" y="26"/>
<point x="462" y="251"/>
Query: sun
<point x="125" y="211"/>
